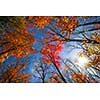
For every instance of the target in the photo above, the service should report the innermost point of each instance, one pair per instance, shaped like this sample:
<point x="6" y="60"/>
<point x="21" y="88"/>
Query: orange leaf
<point x="79" y="77"/>
<point x="30" y="17"/>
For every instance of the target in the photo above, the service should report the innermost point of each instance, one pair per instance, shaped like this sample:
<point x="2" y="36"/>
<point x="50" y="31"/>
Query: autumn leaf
<point x="79" y="77"/>
<point x="18" y="44"/>
<point x="41" y="21"/>
<point x="15" y="75"/>
<point x="98" y="38"/>
<point x="55" y="78"/>
<point x="67" y="23"/>
<point x="2" y="59"/>
<point x="30" y="17"/>
<point x="50" y="53"/>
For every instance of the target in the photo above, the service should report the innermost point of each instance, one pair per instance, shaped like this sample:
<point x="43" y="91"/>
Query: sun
<point x="82" y="60"/>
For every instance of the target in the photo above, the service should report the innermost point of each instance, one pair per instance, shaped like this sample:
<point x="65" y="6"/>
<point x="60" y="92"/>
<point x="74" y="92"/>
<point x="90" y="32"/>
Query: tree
<point x="16" y="43"/>
<point x="64" y="35"/>
<point x="14" y="74"/>
<point x="57" y="32"/>
<point x="45" y="73"/>
<point x="51" y="55"/>
<point x="12" y="23"/>
<point x="41" y="71"/>
<point x="39" y="21"/>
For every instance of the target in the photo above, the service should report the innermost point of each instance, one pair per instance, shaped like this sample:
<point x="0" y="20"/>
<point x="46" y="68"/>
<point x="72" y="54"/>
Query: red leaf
<point x="51" y="52"/>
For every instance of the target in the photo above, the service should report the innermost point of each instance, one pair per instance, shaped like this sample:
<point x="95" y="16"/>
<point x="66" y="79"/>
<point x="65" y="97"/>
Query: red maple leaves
<point x="51" y="52"/>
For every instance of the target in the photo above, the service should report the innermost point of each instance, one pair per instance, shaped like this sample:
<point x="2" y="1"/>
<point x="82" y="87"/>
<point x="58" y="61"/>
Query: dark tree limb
<point x="75" y="40"/>
<point x="62" y="77"/>
<point x="90" y="23"/>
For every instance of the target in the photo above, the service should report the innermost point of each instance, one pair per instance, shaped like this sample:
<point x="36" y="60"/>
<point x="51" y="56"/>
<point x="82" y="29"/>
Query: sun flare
<point x="82" y="60"/>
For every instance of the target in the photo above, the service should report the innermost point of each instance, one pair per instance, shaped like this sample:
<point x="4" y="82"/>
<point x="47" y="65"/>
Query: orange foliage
<point x="30" y="17"/>
<point x="18" y="44"/>
<point x="40" y="21"/>
<point x="55" y="79"/>
<point x="98" y="38"/>
<point x="79" y="77"/>
<point x="67" y="24"/>
<point x="14" y="75"/>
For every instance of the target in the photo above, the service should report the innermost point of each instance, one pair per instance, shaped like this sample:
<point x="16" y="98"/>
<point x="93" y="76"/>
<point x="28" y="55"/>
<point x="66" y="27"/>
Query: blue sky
<point x="67" y="51"/>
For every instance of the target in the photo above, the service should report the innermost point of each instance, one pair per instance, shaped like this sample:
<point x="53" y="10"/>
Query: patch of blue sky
<point x="33" y="59"/>
<point x="68" y="51"/>
<point x="35" y="80"/>
<point x="47" y="75"/>
<point x="90" y="19"/>
<point x="76" y="32"/>
<point x="10" y="61"/>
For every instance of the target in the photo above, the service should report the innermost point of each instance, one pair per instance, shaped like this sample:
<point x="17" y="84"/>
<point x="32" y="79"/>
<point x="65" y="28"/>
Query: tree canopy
<point x="50" y="49"/>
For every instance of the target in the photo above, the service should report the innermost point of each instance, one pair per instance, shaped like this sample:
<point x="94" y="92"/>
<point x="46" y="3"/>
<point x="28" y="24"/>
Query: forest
<point x="49" y="49"/>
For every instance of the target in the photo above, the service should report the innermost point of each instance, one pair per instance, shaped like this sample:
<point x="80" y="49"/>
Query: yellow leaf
<point x="2" y="59"/>
<point x="98" y="39"/>
<point x="78" y="77"/>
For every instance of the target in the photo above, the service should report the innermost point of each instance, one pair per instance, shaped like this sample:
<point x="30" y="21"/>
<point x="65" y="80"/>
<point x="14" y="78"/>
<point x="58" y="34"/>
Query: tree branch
<point x="90" y="23"/>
